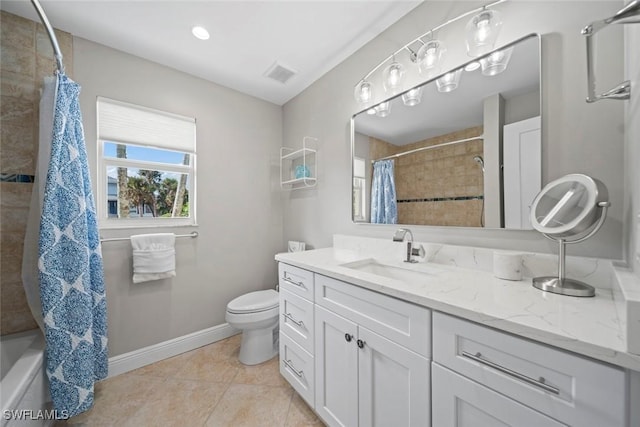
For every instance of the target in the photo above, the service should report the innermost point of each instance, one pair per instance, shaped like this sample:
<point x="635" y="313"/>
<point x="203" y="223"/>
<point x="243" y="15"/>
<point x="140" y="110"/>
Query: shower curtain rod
<point x="52" y="36"/>
<point x="430" y="147"/>
<point x="118" y="239"/>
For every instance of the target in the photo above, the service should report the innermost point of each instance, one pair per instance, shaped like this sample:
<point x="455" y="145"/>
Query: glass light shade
<point x="449" y="81"/>
<point x="392" y="77"/>
<point x="383" y="109"/>
<point x="412" y="97"/>
<point x="363" y="92"/>
<point x="496" y="62"/>
<point x="429" y="57"/>
<point x="482" y="32"/>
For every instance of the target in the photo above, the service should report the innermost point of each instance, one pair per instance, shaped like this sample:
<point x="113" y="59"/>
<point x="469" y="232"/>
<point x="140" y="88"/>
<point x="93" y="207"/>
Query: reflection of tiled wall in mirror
<point x="442" y="186"/>
<point x="27" y="56"/>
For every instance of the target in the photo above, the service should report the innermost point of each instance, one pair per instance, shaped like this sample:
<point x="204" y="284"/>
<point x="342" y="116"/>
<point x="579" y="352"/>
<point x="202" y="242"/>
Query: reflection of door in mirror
<point x="450" y="150"/>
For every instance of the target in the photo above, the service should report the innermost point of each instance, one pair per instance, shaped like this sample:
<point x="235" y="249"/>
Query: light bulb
<point x="393" y="77"/>
<point x="482" y="30"/>
<point x="371" y="111"/>
<point x="429" y="57"/>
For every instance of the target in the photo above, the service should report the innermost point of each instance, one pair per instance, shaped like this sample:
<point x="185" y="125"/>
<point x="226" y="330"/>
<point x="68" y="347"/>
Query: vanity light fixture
<point x="200" y="33"/>
<point x="482" y="32"/>
<point x="427" y="53"/>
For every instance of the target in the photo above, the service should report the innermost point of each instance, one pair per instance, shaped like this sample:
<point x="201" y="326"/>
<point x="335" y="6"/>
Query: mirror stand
<point x="561" y="284"/>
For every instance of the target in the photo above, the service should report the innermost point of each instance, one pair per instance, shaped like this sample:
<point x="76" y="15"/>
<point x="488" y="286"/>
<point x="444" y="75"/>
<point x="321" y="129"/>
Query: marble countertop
<point x="587" y="326"/>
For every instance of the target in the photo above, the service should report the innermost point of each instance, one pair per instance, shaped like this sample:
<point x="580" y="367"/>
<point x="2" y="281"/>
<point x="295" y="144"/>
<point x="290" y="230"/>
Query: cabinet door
<point x="458" y="401"/>
<point x="393" y="383"/>
<point x="336" y="361"/>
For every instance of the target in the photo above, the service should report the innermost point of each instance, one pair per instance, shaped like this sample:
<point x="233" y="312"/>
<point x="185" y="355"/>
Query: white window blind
<point x="128" y="123"/>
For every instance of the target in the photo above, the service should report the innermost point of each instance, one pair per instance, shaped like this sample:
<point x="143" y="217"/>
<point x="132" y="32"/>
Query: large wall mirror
<point x="466" y="155"/>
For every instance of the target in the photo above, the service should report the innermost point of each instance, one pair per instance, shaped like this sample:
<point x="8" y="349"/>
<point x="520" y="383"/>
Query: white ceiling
<point x="247" y="37"/>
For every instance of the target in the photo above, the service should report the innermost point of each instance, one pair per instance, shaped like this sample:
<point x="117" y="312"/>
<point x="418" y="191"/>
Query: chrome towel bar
<point x="630" y="14"/>
<point x="193" y="234"/>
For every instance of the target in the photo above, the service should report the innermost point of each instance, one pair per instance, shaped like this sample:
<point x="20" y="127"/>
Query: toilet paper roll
<point x="507" y="265"/>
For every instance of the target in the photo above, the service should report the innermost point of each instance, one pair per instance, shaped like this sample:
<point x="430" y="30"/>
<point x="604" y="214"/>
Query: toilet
<point x="256" y="315"/>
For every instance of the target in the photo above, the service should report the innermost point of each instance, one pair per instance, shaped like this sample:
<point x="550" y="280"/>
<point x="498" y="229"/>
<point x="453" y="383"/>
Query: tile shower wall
<point x="27" y="57"/>
<point x="443" y="186"/>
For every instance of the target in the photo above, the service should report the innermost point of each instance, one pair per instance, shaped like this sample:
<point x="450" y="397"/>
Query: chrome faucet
<point x="399" y="237"/>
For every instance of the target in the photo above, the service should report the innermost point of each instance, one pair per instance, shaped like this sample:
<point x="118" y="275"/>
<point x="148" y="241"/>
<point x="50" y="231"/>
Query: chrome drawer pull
<point x="297" y="322"/>
<point x="291" y="282"/>
<point x="538" y="383"/>
<point x="300" y="374"/>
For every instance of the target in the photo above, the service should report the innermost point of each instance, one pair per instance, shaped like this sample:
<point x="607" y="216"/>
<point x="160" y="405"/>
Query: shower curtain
<point x="71" y="276"/>
<point x="384" y="208"/>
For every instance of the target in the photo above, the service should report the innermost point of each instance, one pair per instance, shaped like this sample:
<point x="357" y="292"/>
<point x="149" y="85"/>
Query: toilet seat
<point x="254" y="302"/>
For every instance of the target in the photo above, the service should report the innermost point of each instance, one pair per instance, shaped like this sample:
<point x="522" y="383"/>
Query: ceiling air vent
<point x="280" y="73"/>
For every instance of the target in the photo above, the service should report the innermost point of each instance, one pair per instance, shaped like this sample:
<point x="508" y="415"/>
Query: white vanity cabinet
<point x="483" y="374"/>
<point x="364" y="376"/>
<point x="297" y="329"/>
<point x="362" y="358"/>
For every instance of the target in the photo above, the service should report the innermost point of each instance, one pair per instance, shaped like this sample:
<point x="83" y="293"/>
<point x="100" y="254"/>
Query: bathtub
<point x="23" y="387"/>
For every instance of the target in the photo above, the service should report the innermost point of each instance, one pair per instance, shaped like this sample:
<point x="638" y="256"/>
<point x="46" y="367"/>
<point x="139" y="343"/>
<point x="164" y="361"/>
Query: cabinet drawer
<point x="404" y="323"/>
<point x="458" y="401"/>
<point x="296" y="365"/>
<point x="570" y="388"/>
<point x="296" y="280"/>
<point x="296" y="319"/>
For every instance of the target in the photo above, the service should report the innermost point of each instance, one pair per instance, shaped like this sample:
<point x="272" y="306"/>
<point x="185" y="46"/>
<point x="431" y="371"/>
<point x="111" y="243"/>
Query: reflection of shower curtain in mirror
<point x="384" y="208"/>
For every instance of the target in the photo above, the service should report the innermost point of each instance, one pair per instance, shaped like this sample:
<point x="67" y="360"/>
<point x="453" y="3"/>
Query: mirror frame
<point x="538" y="36"/>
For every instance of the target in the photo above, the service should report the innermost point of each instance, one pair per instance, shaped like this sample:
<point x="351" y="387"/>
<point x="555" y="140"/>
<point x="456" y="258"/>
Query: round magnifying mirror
<point x="574" y="206"/>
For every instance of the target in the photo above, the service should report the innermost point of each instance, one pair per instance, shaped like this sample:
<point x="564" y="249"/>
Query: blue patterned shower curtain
<point x="72" y="289"/>
<point x="384" y="208"/>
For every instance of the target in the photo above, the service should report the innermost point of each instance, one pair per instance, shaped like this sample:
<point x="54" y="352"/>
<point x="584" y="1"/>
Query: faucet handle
<point x="399" y="236"/>
<point x="419" y="251"/>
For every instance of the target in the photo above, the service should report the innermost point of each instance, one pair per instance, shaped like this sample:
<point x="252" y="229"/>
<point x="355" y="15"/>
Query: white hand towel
<point x="154" y="256"/>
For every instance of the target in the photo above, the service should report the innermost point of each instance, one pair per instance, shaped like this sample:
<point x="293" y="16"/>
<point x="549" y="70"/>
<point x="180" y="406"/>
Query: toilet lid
<point x="254" y="302"/>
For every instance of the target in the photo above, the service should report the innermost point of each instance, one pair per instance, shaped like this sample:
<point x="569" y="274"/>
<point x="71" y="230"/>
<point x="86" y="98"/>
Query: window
<point x="359" y="190"/>
<point x="146" y="166"/>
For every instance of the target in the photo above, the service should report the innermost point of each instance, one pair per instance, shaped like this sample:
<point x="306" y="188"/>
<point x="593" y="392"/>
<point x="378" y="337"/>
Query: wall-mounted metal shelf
<point x="298" y="167"/>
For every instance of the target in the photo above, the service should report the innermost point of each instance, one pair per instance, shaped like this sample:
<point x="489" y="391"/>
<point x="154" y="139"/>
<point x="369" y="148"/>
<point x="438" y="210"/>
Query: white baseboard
<point x="154" y="353"/>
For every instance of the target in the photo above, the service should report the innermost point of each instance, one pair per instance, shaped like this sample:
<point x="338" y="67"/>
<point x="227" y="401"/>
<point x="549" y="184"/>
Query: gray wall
<point x="632" y="153"/>
<point x="239" y="210"/>
<point x="577" y="137"/>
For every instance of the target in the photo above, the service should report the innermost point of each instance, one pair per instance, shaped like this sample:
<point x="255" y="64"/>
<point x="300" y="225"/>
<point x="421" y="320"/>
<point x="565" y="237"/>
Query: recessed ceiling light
<point x="200" y="33"/>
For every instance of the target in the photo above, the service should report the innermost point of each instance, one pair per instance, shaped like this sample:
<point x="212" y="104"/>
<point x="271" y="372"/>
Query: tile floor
<point x="204" y="387"/>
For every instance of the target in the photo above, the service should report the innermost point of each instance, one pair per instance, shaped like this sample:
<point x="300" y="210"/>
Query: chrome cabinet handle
<point x="535" y="382"/>
<point x="297" y="322"/>
<point x="289" y="365"/>
<point x="291" y="282"/>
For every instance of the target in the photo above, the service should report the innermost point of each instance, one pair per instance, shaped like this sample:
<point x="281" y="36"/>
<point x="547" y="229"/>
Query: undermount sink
<point x="410" y="273"/>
